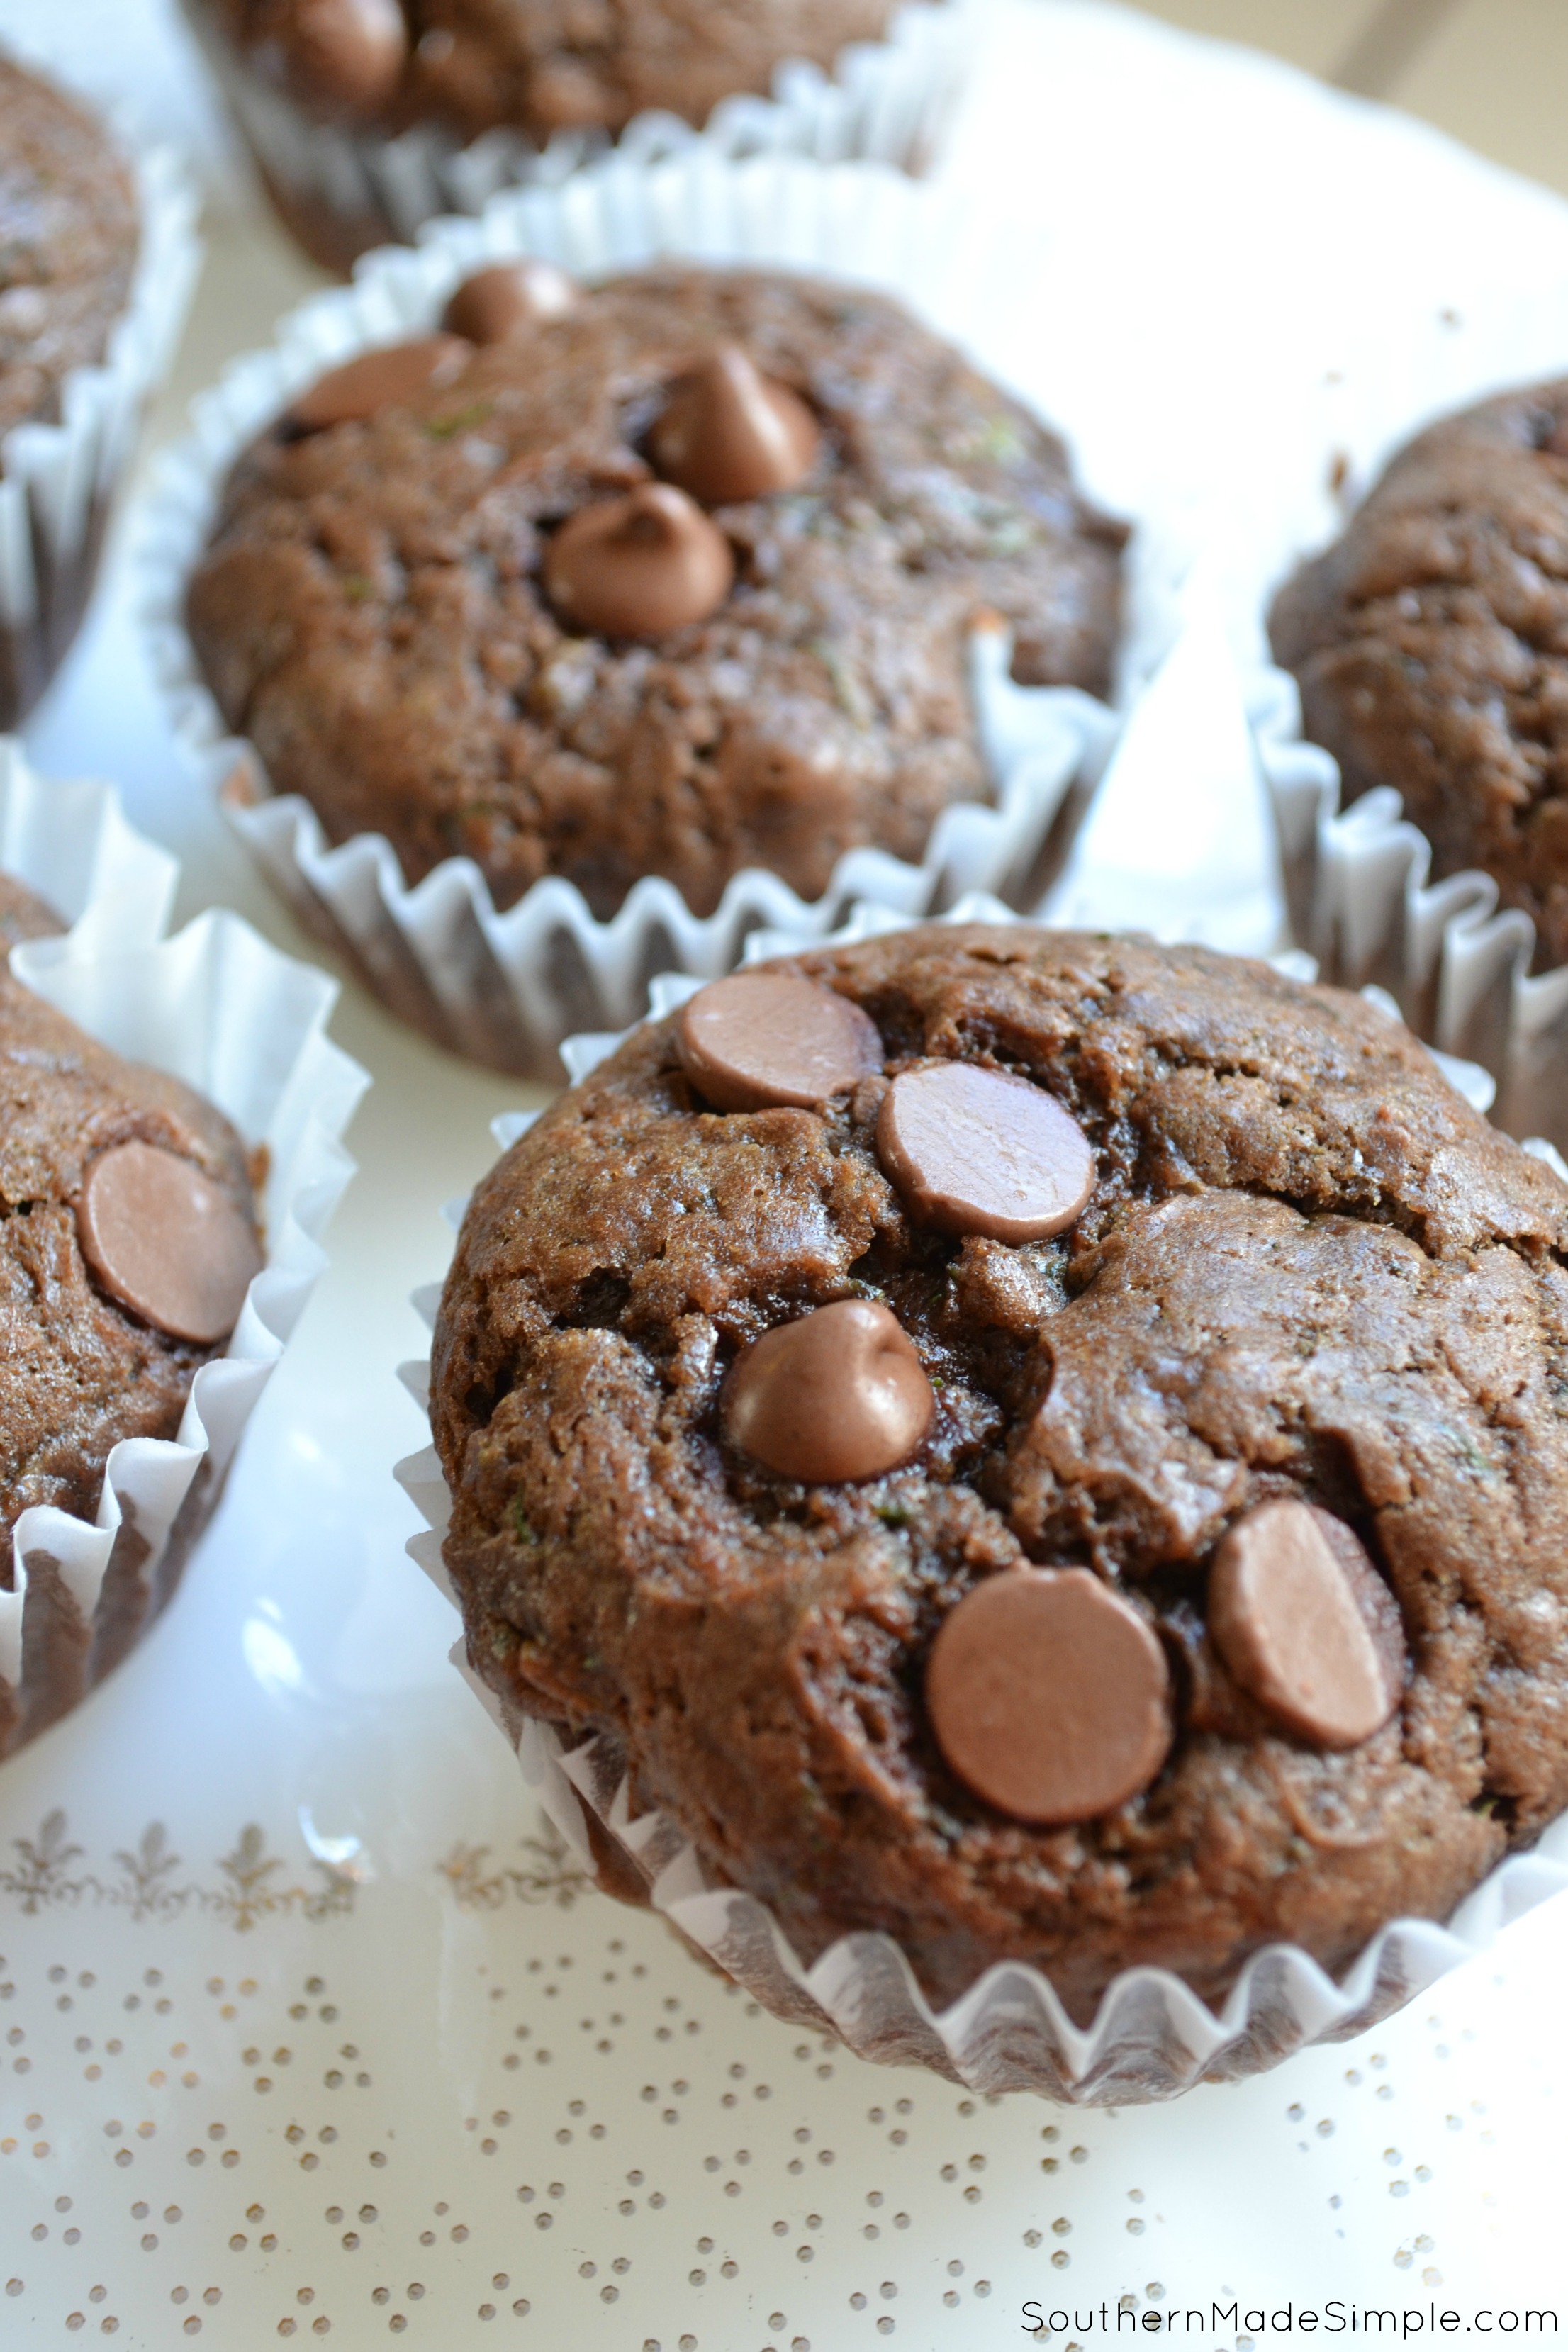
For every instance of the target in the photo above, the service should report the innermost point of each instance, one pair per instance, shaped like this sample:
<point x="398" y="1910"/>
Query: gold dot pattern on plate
<point x="268" y="2146"/>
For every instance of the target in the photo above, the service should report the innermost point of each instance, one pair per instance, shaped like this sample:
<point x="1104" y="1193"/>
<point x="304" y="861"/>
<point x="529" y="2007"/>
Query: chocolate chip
<point x="1048" y="1696"/>
<point x="976" y="1151"/>
<point x="762" y="1038"/>
<point x="638" y="566"/>
<point x="1304" y="1621"/>
<point x="840" y="1394"/>
<point x="343" y="57"/>
<point x="728" y="432"/>
<point x="389" y="378"/>
<point x="166" y="1241"/>
<point x="509" y="299"/>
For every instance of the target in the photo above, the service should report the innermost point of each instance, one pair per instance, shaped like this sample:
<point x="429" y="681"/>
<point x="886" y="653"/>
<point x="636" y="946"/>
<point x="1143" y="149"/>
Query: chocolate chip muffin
<point x="67" y="244"/>
<point x="1431" y="648"/>
<point x="534" y="66"/>
<point x="1047" y="1445"/>
<point x="675" y="577"/>
<point x="128" y="1238"/>
<point x="68" y="238"/>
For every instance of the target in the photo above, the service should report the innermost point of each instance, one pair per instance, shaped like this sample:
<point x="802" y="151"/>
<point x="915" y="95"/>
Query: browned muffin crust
<point x="370" y="611"/>
<point x="77" y="1372"/>
<point x="67" y="244"/>
<point x="1431" y="648"/>
<point x="543" y="65"/>
<point x="1308" y="1270"/>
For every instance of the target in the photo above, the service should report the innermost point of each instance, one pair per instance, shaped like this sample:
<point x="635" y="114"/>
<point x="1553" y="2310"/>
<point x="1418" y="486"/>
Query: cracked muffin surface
<point x="371" y="611"/>
<point x="79" y="1369"/>
<point x="1306" y="1274"/>
<point x="1430" y="644"/>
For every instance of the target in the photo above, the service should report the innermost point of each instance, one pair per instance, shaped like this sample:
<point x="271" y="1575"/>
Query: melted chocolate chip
<point x="509" y="298"/>
<point x="639" y="566"/>
<point x="165" y="1241"/>
<point x="976" y="1151"/>
<point x="343" y="57"/>
<point x="388" y="378"/>
<point x="729" y="432"/>
<point x="1305" y="1625"/>
<point x="1048" y="1696"/>
<point x="839" y="1395"/>
<point x="758" y="1039"/>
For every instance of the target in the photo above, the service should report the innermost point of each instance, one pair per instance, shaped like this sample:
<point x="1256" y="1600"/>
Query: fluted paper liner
<point x="71" y="843"/>
<point x="220" y="1008"/>
<point x="343" y="191"/>
<point x="1362" y="904"/>
<point x="1152" y="2038"/>
<point x="506" y="988"/>
<point x="58" y="481"/>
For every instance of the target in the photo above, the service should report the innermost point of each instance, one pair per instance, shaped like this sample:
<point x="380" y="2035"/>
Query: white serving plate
<point x="301" y="1856"/>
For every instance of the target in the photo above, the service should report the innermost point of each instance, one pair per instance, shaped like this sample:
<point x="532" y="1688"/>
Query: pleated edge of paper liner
<point x="199" y="1004"/>
<point x="342" y="192"/>
<point x="59" y="481"/>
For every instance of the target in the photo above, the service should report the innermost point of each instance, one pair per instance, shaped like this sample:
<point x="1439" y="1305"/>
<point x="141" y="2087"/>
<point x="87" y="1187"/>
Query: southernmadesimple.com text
<point x="1243" y="2325"/>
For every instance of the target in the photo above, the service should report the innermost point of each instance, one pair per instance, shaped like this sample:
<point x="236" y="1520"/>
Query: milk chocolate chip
<point x="1048" y="1696"/>
<point x="841" y="1394"/>
<point x="343" y="57"/>
<point x="509" y="298"/>
<point x="638" y="566"/>
<point x="388" y="378"/>
<point x="729" y="432"/>
<point x="166" y="1241"/>
<point x="762" y="1038"/>
<point x="1305" y="1622"/>
<point x="976" y="1151"/>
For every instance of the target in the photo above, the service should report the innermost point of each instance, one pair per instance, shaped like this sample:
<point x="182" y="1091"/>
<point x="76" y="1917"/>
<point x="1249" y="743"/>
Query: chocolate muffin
<point x="675" y="577"/>
<point x="67" y="244"/>
<point x="1049" y="1446"/>
<point x="1431" y="648"/>
<point x="534" y="66"/>
<point x="68" y="238"/>
<point x="128" y="1238"/>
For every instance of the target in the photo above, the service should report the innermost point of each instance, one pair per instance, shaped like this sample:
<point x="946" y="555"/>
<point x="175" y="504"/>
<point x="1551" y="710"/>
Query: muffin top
<point x="67" y="244"/>
<point x="1431" y="648"/>
<point x="534" y="66"/>
<point x="128" y="1237"/>
<point x="675" y="577"/>
<point x="1088" y="1489"/>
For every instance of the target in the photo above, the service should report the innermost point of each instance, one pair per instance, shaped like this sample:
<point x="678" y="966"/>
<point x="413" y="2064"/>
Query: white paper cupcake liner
<point x="58" y="481"/>
<point x="1393" y="355"/>
<point x="220" y="1008"/>
<point x="506" y="988"/>
<point x="344" y="191"/>
<point x="1361" y="904"/>
<point x="72" y="843"/>
<point x="1217" y="822"/>
<point x="1152" y="2038"/>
